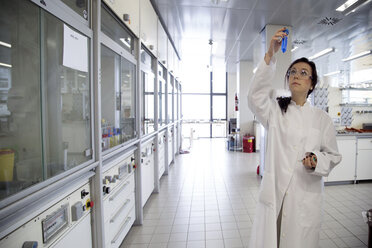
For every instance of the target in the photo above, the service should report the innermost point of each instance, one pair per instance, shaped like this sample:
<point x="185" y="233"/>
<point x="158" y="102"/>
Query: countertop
<point x="356" y="134"/>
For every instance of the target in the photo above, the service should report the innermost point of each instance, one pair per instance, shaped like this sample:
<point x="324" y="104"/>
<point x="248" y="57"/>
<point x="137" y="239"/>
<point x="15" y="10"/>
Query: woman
<point x="301" y="149"/>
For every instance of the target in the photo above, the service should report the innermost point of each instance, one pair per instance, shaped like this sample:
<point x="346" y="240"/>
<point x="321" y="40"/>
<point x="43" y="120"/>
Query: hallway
<point x="209" y="199"/>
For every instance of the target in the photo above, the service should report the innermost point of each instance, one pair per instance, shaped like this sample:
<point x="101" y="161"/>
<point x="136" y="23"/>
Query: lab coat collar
<point x="307" y="104"/>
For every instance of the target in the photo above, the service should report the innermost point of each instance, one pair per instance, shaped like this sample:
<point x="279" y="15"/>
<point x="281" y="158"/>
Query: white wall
<point x="246" y="117"/>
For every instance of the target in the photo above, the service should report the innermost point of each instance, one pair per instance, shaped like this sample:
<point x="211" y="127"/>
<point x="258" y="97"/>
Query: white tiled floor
<point x="209" y="199"/>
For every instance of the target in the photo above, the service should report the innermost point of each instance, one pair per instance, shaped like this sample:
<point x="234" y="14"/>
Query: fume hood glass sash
<point x="162" y="74"/>
<point x="67" y="117"/>
<point x="46" y="118"/>
<point x="117" y="99"/>
<point x="170" y="98"/>
<point x="148" y="108"/>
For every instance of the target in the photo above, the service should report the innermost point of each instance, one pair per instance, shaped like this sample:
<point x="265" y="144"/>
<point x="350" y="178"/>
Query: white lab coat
<point x="286" y="181"/>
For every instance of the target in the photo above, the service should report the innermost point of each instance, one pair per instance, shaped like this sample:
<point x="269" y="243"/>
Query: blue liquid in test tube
<point x="284" y="41"/>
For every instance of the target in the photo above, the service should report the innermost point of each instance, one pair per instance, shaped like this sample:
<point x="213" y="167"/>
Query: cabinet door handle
<point x="119" y="191"/>
<point x="123" y="226"/>
<point x="119" y="211"/>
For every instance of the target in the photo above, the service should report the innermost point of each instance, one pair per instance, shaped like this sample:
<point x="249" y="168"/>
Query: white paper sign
<point x="75" y="50"/>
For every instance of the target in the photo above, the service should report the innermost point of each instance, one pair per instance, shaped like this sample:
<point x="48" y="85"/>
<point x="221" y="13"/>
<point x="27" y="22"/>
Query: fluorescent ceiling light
<point x="351" y="6"/>
<point x="218" y="1"/>
<point x="332" y="73"/>
<point x="5" y="44"/>
<point x="346" y="5"/>
<point x="82" y="76"/>
<point x="5" y="65"/>
<point x="294" y="49"/>
<point x="322" y="53"/>
<point x="255" y="69"/>
<point x="125" y="42"/>
<point x="357" y="56"/>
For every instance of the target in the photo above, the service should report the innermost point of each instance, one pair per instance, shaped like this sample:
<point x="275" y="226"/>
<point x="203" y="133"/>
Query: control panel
<point x="114" y="176"/>
<point x="118" y="199"/>
<point x="56" y="224"/>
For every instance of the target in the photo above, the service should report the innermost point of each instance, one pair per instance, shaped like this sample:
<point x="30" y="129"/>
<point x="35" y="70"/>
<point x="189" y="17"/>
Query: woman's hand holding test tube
<point x="310" y="160"/>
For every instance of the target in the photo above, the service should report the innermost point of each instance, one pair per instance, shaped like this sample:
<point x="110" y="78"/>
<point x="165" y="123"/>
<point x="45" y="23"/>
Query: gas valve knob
<point x="106" y="190"/>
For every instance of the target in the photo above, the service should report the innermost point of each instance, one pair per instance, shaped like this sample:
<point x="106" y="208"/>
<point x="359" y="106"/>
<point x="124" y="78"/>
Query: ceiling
<point x="236" y="25"/>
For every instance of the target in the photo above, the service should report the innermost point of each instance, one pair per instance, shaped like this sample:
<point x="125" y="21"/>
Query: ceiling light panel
<point x="322" y="53"/>
<point x="357" y="56"/>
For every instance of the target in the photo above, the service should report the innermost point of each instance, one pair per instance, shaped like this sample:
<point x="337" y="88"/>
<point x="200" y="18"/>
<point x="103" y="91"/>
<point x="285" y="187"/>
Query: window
<point x="191" y="103"/>
<point x="219" y="107"/>
<point x="219" y="80"/>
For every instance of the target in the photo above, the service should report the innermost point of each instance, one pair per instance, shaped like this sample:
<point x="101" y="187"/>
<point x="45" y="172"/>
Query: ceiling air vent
<point x="299" y="42"/>
<point x="329" y="21"/>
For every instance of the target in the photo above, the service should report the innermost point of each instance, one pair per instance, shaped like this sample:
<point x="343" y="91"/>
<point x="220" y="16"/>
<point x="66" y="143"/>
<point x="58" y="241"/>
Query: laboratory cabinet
<point x="149" y="29"/>
<point x="118" y="198"/>
<point x="127" y="11"/>
<point x="147" y="170"/>
<point x="63" y="224"/>
<point x="364" y="159"/>
<point x="161" y="153"/>
<point x="45" y="97"/>
<point x="162" y="45"/>
<point x="344" y="171"/>
<point x="148" y="69"/>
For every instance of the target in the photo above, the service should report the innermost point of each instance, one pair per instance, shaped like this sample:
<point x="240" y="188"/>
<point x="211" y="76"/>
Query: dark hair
<point x="285" y="101"/>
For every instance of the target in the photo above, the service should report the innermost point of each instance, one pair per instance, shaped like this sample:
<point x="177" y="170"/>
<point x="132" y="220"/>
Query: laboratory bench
<point x="356" y="165"/>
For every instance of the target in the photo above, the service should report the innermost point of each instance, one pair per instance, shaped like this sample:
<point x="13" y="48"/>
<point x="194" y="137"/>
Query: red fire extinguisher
<point x="236" y="102"/>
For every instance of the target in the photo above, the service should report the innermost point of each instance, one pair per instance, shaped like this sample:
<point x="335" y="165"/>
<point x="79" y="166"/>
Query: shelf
<point x="355" y="105"/>
<point x="351" y="88"/>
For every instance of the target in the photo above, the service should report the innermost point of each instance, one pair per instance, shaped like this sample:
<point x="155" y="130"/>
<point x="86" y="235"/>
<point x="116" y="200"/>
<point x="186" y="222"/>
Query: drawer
<point x="364" y="144"/>
<point x="116" y="238"/>
<point x="115" y="198"/>
<point x="117" y="218"/>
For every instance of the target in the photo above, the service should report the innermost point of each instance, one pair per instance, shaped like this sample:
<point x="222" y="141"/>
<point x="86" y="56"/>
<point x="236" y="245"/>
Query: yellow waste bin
<point x="6" y="165"/>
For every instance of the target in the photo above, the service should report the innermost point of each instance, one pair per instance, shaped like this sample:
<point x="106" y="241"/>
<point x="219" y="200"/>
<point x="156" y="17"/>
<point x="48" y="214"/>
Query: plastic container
<point x="6" y="165"/>
<point x="248" y="144"/>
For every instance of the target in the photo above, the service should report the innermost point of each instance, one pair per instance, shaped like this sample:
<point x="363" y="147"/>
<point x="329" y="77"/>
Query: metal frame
<point x="98" y="229"/>
<point x="67" y="15"/>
